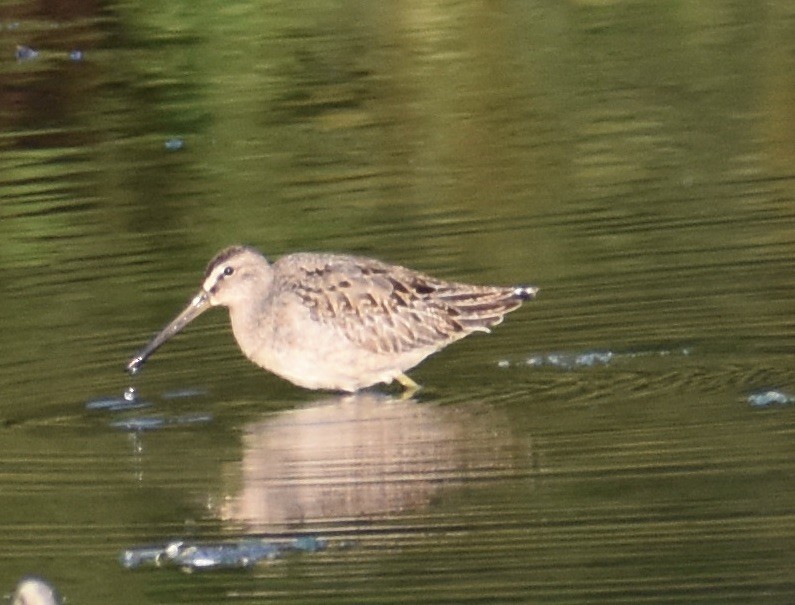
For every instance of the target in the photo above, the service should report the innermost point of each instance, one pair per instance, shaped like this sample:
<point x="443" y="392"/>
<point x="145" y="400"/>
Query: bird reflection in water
<point x="361" y="457"/>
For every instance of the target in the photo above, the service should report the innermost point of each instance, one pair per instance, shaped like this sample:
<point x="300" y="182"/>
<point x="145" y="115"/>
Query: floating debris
<point x="761" y="399"/>
<point x="568" y="360"/>
<point x="174" y="144"/>
<point x="76" y="56"/>
<point x="308" y="544"/>
<point x="25" y="53"/>
<point x="132" y="558"/>
<point x="116" y="404"/>
<point x="130" y="400"/>
<point x="142" y="423"/>
<point x="197" y="418"/>
<point x="223" y="556"/>
<point x="191" y="557"/>
<point x="151" y="423"/>
<point x="184" y="393"/>
<point x="563" y="361"/>
<point x="32" y="590"/>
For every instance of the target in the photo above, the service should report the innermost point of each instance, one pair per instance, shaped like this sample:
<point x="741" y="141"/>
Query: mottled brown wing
<point x="391" y="309"/>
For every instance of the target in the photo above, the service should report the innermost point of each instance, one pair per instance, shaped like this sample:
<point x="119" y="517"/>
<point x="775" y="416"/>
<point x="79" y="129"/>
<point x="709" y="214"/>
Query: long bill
<point x="198" y="305"/>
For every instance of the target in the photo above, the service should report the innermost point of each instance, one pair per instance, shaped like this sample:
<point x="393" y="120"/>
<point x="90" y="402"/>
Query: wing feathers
<point x="391" y="309"/>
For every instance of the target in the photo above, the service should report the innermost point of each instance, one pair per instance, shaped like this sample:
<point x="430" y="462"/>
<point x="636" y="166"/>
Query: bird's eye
<point x="228" y="271"/>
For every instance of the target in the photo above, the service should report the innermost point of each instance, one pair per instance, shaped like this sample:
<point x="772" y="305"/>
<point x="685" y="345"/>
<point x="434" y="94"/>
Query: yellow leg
<point x="409" y="386"/>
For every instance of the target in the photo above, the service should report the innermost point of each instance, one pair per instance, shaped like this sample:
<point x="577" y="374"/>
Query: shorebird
<point x="339" y="322"/>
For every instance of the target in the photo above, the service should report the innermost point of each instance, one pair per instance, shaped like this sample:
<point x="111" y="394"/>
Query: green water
<point x="632" y="159"/>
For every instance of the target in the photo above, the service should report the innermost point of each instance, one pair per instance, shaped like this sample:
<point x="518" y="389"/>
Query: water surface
<point x="633" y="160"/>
